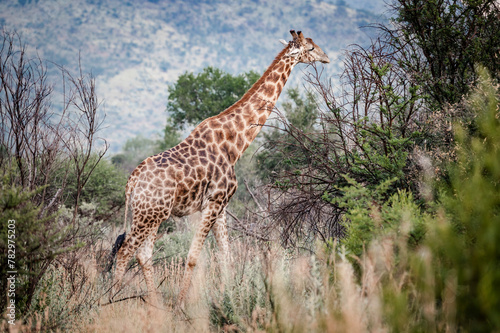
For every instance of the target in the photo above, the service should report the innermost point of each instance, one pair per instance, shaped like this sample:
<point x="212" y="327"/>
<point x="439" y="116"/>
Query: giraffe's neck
<point x="249" y="114"/>
<point x="235" y="128"/>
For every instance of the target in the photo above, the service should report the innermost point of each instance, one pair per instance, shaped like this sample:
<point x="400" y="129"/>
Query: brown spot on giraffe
<point x="198" y="174"/>
<point x="219" y="136"/>
<point x="240" y="142"/>
<point x="207" y="137"/>
<point x="230" y="131"/>
<point x="239" y="123"/>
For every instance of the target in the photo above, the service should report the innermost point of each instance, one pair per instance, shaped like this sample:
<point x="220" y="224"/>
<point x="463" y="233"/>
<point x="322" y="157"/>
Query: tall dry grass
<point x="263" y="288"/>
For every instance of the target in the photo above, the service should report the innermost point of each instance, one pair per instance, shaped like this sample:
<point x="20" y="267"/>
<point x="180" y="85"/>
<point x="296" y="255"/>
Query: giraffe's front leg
<point x="221" y="237"/>
<point x="209" y="217"/>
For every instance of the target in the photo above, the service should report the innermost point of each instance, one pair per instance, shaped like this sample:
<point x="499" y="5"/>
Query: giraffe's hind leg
<point x="221" y="237"/>
<point x="133" y="241"/>
<point x="144" y="256"/>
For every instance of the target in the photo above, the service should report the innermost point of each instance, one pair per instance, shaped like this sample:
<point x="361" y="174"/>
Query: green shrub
<point x="105" y="188"/>
<point x="38" y="240"/>
<point x="466" y="242"/>
<point x="450" y="280"/>
<point x="436" y="269"/>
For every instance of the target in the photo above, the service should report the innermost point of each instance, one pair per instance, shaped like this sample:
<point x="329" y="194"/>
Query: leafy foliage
<point x="171" y="136"/>
<point x="104" y="189"/>
<point x="435" y="269"/>
<point x="443" y="40"/>
<point x="37" y="241"/>
<point x="48" y="157"/>
<point x="134" y="152"/>
<point x="371" y="215"/>
<point x="466" y="242"/>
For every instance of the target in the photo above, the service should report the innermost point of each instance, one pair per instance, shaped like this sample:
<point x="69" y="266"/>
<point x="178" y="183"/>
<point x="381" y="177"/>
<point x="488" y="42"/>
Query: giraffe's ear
<point x="284" y="42"/>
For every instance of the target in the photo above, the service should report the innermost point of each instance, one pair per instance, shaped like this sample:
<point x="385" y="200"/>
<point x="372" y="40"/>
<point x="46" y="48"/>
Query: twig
<point x="125" y="298"/>
<point x="243" y="229"/>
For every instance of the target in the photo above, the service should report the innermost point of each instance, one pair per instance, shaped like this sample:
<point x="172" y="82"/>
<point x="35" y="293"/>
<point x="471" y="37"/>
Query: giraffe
<point x="198" y="175"/>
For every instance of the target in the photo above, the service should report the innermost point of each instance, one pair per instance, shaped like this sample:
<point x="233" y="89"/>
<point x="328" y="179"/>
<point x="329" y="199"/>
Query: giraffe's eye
<point x="311" y="49"/>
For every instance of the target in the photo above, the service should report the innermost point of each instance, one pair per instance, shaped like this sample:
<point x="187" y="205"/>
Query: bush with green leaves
<point x="438" y="269"/>
<point x="70" y="289"/>
<point x="371" y="214"/>
<point x="47" y="158"/>
<point x="38" y="240"/>
<point x="465" y="240"/>
<point x="105" y="188"/>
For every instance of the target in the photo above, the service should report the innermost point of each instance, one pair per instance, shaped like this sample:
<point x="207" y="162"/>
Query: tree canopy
<point x="444" y="40"/>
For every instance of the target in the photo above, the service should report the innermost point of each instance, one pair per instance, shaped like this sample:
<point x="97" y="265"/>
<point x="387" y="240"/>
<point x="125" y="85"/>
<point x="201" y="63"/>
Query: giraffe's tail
<point x="128" y="192"/>
<point x="118" y="244"/>
<point x="127" y="197"/>
<point x="121" y="238"/>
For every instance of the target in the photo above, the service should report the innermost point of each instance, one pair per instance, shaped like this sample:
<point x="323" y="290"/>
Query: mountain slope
<point x="137" y="48"/>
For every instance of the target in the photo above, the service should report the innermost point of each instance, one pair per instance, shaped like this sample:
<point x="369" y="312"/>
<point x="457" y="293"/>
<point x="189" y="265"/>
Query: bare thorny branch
<point x="41" y="144"/>
<point x="84" y="124"/>
<point x="38" y="138"/>
<point x="363" y="131"/>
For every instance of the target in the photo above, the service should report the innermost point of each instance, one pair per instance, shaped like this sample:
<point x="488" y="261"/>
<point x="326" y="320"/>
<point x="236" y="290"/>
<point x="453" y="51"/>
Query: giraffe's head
<point x="304" y="49"/>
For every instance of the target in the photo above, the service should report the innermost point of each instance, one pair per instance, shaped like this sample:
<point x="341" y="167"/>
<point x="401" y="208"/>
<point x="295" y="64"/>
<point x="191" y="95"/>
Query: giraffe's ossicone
<point x="198" y="175"/>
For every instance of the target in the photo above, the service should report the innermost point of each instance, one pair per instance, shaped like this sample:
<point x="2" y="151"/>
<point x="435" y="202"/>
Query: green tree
<point x="135" y="151"/>
<point x="171" y="136"/>
<point x="443" y="40"/>
<point x="445" y="258"/>
<point x="194" y="98"/>
<point x="105" y="188"/>
<point x="466" y="247"/>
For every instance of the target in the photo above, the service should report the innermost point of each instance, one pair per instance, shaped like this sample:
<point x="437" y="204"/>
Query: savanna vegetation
<point x="371" y="204"/>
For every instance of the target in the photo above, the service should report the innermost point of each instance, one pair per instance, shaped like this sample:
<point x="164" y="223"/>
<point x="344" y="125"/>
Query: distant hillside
<point x="137" y="48"/>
